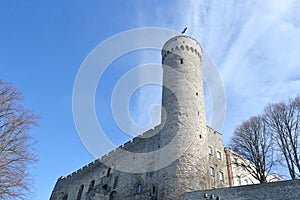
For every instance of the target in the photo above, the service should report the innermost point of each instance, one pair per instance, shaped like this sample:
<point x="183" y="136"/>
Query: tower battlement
<point x="181" y="43"/>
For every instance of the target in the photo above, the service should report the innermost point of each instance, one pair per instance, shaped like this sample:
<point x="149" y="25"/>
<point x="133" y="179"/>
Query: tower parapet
<point x="182" y="43"/>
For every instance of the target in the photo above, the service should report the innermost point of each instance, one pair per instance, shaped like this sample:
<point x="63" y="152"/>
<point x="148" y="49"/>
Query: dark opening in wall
<point x="154" y="191"/>
<point x="112" y="195"/>
<point x="116" y="182"/>
<point x="92" y="183"/>
<point x="65" y="197"/>
<point x="200" y="136"/>
<point x="196" y="93"/>
<point x="181" y="61"/>
<point x="108" y="172"/>
<point x="105" y="187"/>
<point x="80" y="192"/>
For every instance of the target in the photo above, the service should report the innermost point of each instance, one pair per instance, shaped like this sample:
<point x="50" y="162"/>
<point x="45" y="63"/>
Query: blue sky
<point x="255" y="45"/>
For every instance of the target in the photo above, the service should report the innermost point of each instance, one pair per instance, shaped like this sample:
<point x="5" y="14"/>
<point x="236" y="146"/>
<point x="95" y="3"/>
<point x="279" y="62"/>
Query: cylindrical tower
<point x="183" y="96"/>
<point x="184" y="114"/>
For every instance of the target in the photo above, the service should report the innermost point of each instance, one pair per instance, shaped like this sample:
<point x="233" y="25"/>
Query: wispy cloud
<point x="254" y="44"/>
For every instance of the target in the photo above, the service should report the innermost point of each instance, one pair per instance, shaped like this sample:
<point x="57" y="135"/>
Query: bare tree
<point x="16" y="153"/>
<point x="253" y="142"/>
<point x="283" y="120"/>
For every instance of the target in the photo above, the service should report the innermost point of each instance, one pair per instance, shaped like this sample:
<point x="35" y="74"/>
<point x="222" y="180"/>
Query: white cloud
<point x="255" y="45"/>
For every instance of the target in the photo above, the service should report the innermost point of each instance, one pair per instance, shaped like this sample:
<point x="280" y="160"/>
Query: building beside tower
<point x="200" y="161"/>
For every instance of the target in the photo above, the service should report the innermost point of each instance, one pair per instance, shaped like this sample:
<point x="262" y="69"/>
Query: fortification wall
<point x="100" y="181"/>
<point x="184" y="164"/>
<point x="287" y="190"/>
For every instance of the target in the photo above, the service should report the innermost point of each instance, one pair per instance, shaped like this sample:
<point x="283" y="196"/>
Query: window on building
<point x="92" y="183"/>
<point x="210" y="150"/>
<point x="108" y="172"/>
<point x="105" y="187"/>
<point x="116" y="181"/>
<point x="65" y="197"/>
<point x="212" y="171"/>
<point x="139" y="188"/>
<point x="239" y="180"/>
<point x="112" y="195"/>
<point x="181" y="61"/>
<point x="153" y="190"/>
<point x="80" y="192"/>
<point x="219" y="155"/>
<point x="235" y="161"/>
<point x="221" y="176"/>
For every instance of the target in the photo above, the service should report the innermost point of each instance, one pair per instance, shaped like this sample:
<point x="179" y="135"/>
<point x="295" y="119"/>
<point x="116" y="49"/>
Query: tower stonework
<point x="196" y="150"/>
<point x="183" y="103"/>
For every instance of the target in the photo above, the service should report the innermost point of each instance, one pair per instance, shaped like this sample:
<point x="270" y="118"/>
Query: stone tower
<point x="188" y="152"/>
<point x="184" y="110"/>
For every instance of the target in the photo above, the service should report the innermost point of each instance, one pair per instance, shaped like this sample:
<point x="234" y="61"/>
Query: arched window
<point x="80" y="192"/>
<point x="108" y="172"/>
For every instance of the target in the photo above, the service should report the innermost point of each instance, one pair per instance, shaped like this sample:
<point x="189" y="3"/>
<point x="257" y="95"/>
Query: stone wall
<point x="282" y="190"/>
<point x="99" y="181"/>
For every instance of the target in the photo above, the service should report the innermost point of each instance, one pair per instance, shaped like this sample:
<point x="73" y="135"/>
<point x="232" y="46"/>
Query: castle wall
<point x="177" y="156"/>
<point x="109" y="183"/>
<point x="287" y="190"/>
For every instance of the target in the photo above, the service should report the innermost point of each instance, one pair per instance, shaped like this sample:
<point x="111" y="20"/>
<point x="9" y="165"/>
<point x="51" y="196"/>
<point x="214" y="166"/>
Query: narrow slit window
<point x="139" y="188"/>
<point x="210" y="150"/>
<point x="181" y="61"/>
<point x="108" y="172"/>
<point x="80" y="192"/>
<point x="153" y="190"/>
<point x="116" y="181"/>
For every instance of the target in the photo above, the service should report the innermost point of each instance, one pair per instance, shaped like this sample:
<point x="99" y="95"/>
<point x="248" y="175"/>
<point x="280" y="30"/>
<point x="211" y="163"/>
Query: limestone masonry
<point x="199" y="163"/>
